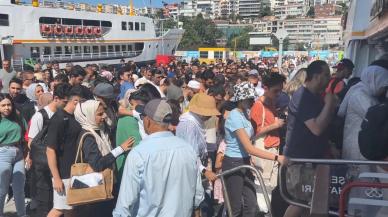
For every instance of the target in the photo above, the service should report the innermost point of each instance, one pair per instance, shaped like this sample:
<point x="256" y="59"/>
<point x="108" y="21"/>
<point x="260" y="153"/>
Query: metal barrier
<point x="288" y="199"/>
<point x="260" y="179"/>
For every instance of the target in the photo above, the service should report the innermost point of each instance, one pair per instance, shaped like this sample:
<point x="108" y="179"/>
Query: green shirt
<point x="10" y="132"/>
<point x="127" y="126"/>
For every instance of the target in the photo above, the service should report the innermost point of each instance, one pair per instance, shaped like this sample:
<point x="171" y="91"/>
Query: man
<point x="56" y="70"/>
<point x="62" y="136"/>
<point x="160" y="156"/>
<point x="191" y="128"/>
<point x="41" y="174"/>
<point x="22" y="103"/>
<point x="6" y="74"/>
<point x="266" y="124"/>
<point x="68" y="68"/>
<point x="253" y="78"/>
<point x="125" y="75"/>
<point x="344" y="69"/>
<point x="207" y="78"/>
<point x="147" y="78"/>
<point x="308" y="119"/>
<point x="76" y="76"/>
<point x="28" y="78"/>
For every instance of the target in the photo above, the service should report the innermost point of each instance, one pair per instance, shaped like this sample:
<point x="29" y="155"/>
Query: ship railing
<point x="335" y="187"/>
<point x="89" y="56"/>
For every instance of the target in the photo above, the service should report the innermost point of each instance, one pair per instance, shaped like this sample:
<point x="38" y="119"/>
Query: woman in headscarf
<point x="373" y="84"/>
<point x="34" y="91"/>
<point x="97" y="149"/>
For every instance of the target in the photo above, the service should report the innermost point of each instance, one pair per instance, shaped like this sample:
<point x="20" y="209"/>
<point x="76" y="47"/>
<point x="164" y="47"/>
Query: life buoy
<point x="79" y="30"/>
<point x="88" y="30"/>
<point x="69" y="30"/>
<point x="58" y="30"/>
<point x="46" y="29"/>
<point x="97" y="31"/>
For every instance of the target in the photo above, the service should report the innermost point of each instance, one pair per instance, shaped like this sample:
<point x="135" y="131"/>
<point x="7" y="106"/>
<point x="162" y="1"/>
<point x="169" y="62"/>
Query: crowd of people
<point x="168" y="131"/>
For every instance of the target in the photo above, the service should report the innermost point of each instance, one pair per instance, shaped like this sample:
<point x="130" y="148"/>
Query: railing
<point x="89" y="56"/>
<point x="351" y="172"/>
<point x="260" y="179"/>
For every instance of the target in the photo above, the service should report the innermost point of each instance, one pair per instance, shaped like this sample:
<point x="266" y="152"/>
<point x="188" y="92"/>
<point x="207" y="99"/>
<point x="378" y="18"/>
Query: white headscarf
<point x="85" y="114"/>
<point x="373" y="78"/>
<point x="30" y="91"/>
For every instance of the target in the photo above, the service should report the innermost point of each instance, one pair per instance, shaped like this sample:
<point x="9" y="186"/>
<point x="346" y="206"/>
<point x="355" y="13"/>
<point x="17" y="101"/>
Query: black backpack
<point x="38" y="144"/>
<point x="373" y="137"/>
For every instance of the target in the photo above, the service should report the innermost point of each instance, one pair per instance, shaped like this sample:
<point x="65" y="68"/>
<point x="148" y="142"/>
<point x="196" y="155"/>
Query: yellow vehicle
<point x="211" y="55"/>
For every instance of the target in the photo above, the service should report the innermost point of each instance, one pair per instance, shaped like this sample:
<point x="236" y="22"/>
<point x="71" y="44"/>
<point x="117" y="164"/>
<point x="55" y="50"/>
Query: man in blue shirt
<point x="161" y="176"/>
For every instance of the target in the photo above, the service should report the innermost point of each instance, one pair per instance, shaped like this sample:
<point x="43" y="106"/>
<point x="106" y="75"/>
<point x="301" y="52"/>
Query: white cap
<point x="194" y="84"/>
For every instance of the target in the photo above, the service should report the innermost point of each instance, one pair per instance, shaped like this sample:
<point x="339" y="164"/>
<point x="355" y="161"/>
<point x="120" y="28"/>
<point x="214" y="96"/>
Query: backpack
<point x="38" y="144"/>
<point x="373" y="136"/>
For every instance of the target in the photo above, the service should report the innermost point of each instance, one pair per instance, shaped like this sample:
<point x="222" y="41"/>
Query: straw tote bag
<point x="259" y="143"/>
<point x="88" y="195"/>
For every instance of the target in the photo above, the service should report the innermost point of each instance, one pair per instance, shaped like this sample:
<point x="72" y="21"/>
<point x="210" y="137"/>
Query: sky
<point x="136" y="3"/>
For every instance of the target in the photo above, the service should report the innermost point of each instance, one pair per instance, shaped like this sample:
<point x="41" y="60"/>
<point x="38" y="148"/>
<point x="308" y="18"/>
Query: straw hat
<point x="204" y="105"/>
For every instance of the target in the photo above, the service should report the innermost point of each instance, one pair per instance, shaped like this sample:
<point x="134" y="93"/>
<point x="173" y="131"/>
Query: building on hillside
<point x="205" y="7"/>
<point x="189" y="8"/>
<point x="327" y="10"/>
<point x="293" y="10"/>
<point x="251" y="8"/>
<point x="171" y="10"/>
<point x="321" y="2"/>
<point x="225" y="8"/>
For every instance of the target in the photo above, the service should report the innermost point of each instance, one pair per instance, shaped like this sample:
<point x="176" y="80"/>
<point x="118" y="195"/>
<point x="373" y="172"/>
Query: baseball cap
<point x="158" y="110"/>
<point x="104" y="90"/>
<point x="253" y="72"/>
<point x="344" y="63"/>
<point x="194" y="84"/>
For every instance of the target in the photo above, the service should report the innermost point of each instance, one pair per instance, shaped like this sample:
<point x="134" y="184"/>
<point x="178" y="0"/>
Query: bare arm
<point x="244" y="139"/>
<point x="319" y="124"/>
<point x="52" y="162"/>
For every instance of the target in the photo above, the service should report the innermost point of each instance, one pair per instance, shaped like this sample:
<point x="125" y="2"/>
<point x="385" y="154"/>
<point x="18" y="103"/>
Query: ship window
<point x="95" y="49"/>
<point x="47" y="51"/>
<point x="130" y="26"/>
<point x="139" y="46"/>
<point x="142" y="26"/>
<point x="124" y="47"/>
<point x="123" y="25"/>
<point x="4" y="20"/>
<point x="203" y="54"/>
<point x="91" y="22"/>
<point x="117" y="48"/>
<point x="86" y="49"/>
<point x="103" y="49"/>
<point x="68" y="50"/>
<point x="35" y="52"/>
<point x="129" y="47"/>
<point x="137" y="26"/>
<point x="218" y="54"/>
<point x="110" y="48"/>
<point x="74" y="22"/>
<point x="58" y="50"/>
<point x="77" y="49"/>
<point x="50" y="20"/>
<point x="106" y="23"/>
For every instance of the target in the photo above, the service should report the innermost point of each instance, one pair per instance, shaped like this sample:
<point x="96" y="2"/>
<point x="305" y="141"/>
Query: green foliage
<point x="344" y="7"/>
<point x="199" y="32"/>
<point x="286" y="43"/>
<point x="265" y="11"/>
<point x="300" y="46"/>
<point x="311" y="12"/>
<point x="241" y="41"/>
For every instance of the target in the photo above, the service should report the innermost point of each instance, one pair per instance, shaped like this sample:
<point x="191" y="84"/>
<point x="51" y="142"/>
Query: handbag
<point x="88" y="195"/>
<point x="259" y="143"/>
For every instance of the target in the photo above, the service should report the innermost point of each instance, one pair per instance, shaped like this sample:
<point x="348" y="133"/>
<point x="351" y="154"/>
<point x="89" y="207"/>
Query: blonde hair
<point x="296" y="82"/>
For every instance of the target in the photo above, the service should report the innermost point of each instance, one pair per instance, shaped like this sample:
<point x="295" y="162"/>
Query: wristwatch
<point x="203" y="171"/>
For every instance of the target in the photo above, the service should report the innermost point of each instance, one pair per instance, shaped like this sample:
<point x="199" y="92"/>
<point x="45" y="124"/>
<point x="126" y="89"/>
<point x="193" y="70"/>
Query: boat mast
<point x="131" y="10"/>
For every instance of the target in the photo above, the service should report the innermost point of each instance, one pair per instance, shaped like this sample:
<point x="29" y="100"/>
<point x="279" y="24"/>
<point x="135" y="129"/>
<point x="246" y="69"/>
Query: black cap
<point x="344" y="63"/>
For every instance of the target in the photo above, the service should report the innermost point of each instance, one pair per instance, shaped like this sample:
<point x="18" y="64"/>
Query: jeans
<point x="241" y="188"/>
<point x="12" y="169"/>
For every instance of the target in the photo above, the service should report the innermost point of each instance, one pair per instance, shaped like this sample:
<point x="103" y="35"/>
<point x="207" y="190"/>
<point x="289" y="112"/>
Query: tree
<point x="265" y="11"/>
<point x="344" y="8"/>
<point x="300" y="46"/>
<point x="199" y="32"/>
<point x="311" y="12"/>
<point x="275" y="43"/>
<point x="240" y="41"/>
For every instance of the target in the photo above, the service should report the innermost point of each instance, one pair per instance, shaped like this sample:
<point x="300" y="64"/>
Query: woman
<point x="238" y="135"/>
<point x="34" y="91"/>
<point x="97" y="150"/>
<point x="11" y="154"/>
<point x="295" y="82"/>
<point x="127" y="126"/>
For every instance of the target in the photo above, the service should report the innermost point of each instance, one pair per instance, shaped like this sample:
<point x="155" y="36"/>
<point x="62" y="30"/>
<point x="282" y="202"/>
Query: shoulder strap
<point x="79" y="151"/>
<point x="334" y="84"/>
<point x="45" y="117"/>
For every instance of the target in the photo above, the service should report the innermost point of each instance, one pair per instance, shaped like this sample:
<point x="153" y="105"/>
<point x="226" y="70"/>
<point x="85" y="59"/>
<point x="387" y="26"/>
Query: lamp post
<point x="281" y="34"/>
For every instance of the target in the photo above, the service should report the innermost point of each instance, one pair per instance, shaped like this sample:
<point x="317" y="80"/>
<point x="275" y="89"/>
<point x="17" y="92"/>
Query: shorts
<point x="60" y="200"/>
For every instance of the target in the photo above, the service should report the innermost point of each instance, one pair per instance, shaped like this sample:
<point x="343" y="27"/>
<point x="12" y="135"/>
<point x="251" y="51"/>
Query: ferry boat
<point x="43" y="34"/>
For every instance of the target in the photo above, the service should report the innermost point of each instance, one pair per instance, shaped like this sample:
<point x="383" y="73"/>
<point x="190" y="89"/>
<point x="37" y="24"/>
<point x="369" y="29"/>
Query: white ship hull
<point x="25" y="37"/>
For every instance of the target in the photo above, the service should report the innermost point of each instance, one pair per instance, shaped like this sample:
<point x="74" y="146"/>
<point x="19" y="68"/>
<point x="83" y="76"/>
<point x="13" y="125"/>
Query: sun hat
<point x="204" y="105"/>
<point x="244" y="90"/>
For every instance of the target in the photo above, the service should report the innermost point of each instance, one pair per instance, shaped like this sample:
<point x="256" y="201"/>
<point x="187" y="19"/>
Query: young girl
<point x="11" y="154"/>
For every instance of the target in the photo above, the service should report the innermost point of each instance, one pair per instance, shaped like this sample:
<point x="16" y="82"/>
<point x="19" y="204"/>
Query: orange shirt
<point x="272" y="138"/>
<point x="338" y="87"/>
